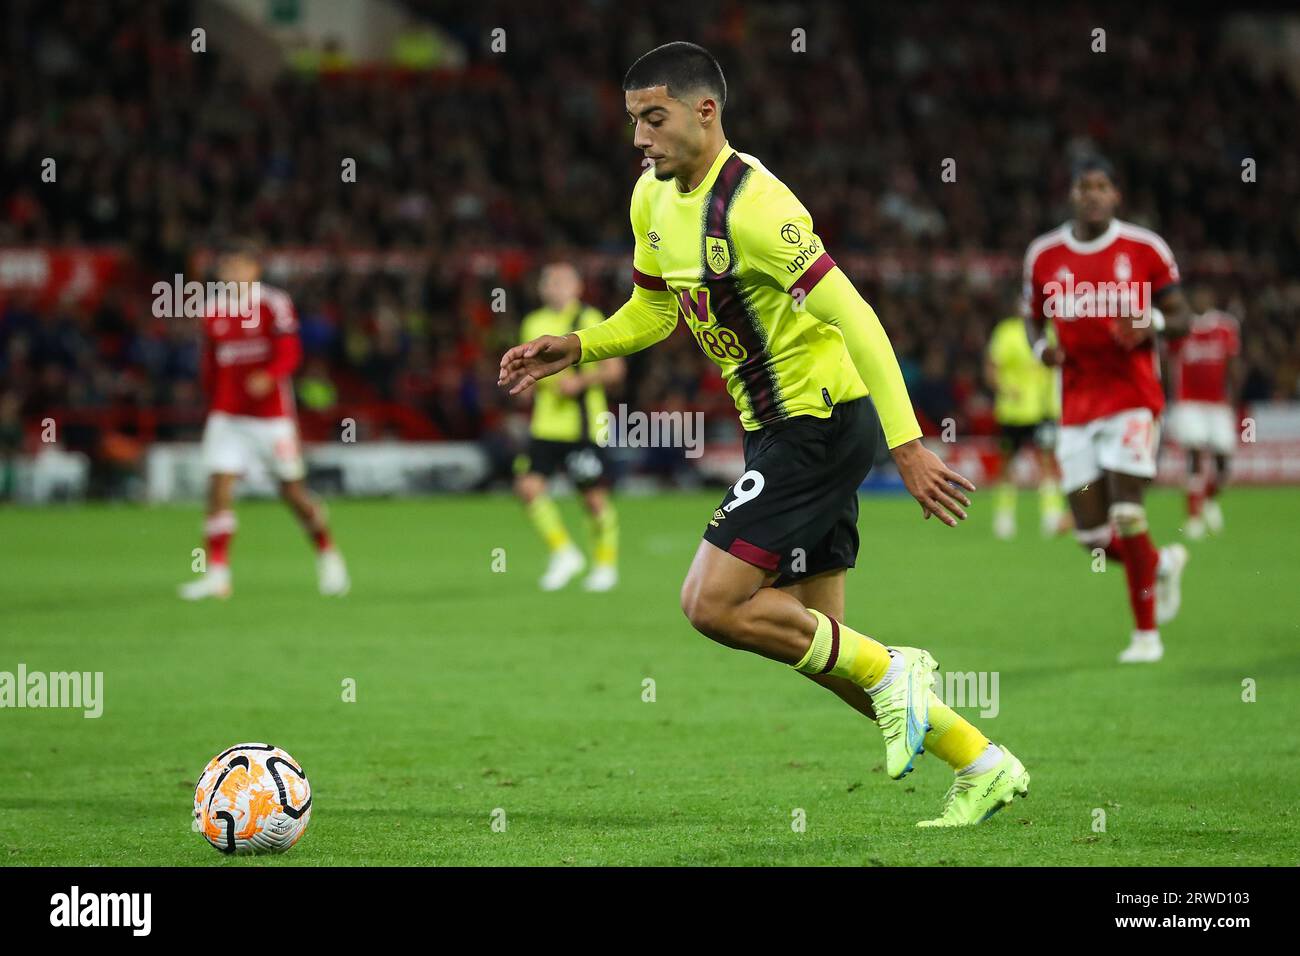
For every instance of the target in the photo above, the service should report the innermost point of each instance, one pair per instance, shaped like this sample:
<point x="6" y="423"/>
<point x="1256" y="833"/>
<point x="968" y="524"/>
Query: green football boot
<point x="973" y="798"/>
<point x="903" y="710"/>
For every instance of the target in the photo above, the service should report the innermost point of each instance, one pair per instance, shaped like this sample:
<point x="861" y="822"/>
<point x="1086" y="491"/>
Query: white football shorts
<point x="231" y="443"/>
<point x="1125" y="442"/>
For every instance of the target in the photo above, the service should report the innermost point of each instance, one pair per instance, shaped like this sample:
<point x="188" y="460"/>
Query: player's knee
<point x="527" y="488"/>
<point x="700" y="611"/>
<point x="707" y="614"/>
<point x="1128" y="517"/>
<point x="297" y="497"/>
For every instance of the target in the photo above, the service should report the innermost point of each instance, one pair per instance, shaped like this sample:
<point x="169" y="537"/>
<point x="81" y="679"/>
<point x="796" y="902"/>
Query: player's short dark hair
<point x="1093" y="162"/>
<point x="682" y="67"/>
<point x="239" y="246"/>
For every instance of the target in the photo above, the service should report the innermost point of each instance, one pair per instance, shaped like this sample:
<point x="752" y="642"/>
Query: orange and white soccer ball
<point x="252" y="798"/>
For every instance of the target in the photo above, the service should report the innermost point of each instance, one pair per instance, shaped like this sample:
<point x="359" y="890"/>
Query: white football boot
<point x="1213" y="516"/>
<point x="1145" y="648"/>
<point x="213" y="583"/>
<point x="332" y="574"/>
<point x="1004" y="525"/>
<point x="603" y="577"/>
<point x="564" y="566"/>
<point x="1169" y="576"/>
<point x="1194" y="528"/>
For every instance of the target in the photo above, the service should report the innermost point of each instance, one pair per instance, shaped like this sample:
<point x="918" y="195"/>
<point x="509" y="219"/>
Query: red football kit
<point x="266" y="338"/>
<point x="1087" y="289"/>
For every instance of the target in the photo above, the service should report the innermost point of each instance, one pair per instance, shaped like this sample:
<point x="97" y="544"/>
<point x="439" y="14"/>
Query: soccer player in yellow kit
<point x="1026" y="406"/>
<point x="725" y="246"/>
<point x="562" y="435"/>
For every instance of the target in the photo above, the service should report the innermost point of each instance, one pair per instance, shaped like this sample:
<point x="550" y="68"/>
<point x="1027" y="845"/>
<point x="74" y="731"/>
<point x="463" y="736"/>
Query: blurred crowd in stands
<point x="483" y="171"/>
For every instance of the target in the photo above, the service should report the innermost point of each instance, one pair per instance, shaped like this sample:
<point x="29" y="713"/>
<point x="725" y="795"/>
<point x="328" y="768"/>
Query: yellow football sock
<point x="840" y="651"/>
<point x="952" y="738"/>
<point x="1050" y="499"/>
<point x="545" y="517"/>
<point x="604" y="535"/>
<point x="1004" y="499"/>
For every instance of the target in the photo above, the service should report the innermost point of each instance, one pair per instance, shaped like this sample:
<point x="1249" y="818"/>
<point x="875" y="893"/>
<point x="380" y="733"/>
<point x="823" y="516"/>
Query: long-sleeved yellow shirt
<point x="738" y="260"/>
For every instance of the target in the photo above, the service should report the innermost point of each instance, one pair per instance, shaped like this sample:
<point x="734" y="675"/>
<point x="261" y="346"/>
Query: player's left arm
<point x="935" y="486"/>
<point x="286" y="348"/>
<point x="1236" y="382"/>
<point x="775" y="232"/>
<point x="1175" y="312"/>
<point x="1168" y="313"/>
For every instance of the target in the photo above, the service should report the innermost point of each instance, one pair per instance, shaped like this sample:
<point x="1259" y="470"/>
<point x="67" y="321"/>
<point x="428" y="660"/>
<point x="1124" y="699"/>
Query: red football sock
<point x="1093" y="539"/>
<point x="218" y="530"/>
<point x="1195" y="494"/>
<point x="1140" y="561"/>
<point x="319" y="529"/>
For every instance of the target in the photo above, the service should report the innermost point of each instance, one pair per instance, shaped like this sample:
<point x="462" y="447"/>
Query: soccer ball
<point x="252" y="798"/>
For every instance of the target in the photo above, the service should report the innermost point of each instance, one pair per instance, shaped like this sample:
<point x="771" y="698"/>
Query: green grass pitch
<point x="476" y="692"/>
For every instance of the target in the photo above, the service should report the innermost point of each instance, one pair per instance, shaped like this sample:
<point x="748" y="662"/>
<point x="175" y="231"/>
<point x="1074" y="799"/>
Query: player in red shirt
<point x="250" y="352"/>
<point x="1206" y="384"/>
<point x="1099" y="280"/>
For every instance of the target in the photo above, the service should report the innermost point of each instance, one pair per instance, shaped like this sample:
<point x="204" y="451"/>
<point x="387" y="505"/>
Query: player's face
<point x="665" y="130"/>
<point x="1202" y="299"/>
<point x="1094" y="198"/>
<point x="238" y="267"/>
<point x="559" y="285"/>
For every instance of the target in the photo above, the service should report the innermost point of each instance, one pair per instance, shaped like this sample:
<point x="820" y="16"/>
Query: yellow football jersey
<point x="557" y="417"/>
<point x="1026" y="388"/>
<point x="738" y="252"/>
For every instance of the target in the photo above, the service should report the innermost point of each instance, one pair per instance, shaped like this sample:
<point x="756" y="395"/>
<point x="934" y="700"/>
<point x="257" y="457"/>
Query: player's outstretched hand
<point x="525" y="365"/>
<point x="932" y="483"/>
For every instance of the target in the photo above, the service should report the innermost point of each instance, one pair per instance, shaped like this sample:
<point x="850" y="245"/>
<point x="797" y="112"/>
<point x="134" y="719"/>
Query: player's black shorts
<point x="583" y="462"/>
<point x="1012" y="438"/>
<point x="795" y="510"/>
<point x="1045" y="434"/>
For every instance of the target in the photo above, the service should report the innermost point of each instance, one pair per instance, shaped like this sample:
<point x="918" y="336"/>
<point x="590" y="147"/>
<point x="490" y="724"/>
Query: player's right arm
<point x="606" y="373"/>
<point x="1035" y="321"/>
<point x="286" y="348"/>
<point x="826" y="293"/>
<point x="990" y="361"/>
<point x="649" y="316"/>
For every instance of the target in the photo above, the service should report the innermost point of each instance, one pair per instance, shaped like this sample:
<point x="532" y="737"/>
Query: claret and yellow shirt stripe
<point x="738" y="261"/>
